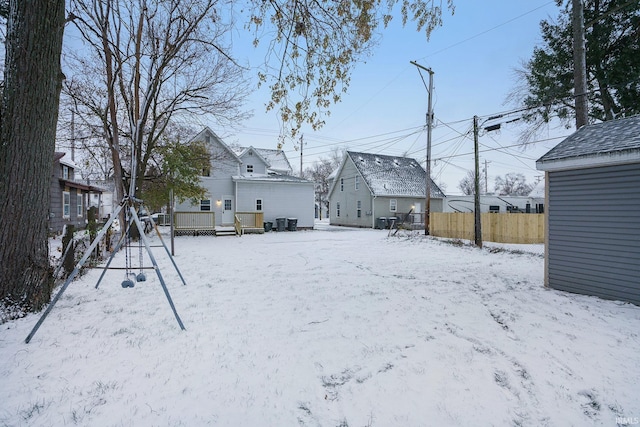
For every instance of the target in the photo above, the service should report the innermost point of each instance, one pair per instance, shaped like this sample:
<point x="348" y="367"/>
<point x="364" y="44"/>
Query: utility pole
<point x="427" y="204"/>
<point x="579" y="65"/>
<point x="476" y="213"/>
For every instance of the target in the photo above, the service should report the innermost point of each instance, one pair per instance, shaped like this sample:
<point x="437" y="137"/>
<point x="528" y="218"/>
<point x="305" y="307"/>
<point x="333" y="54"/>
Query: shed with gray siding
<point x="593" y="211"/>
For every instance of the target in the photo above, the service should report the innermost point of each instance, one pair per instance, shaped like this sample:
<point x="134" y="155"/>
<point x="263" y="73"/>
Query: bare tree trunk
<point x="579" y="65"/>
<point x="32" y="84"/>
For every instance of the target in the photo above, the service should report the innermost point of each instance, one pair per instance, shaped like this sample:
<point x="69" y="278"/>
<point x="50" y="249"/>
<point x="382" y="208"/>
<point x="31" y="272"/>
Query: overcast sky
<point x="472" y="55"/>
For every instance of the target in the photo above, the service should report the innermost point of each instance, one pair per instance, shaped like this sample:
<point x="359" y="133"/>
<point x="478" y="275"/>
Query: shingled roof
<point x="609" y="142"/>
<point x="393" y="176"/>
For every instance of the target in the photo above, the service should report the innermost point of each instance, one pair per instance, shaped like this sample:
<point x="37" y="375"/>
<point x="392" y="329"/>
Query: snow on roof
<point x="393" y="176"/>
<point x="276" y="158"/>
<point x="608" y="141"/>
<point x="61" y="157"/>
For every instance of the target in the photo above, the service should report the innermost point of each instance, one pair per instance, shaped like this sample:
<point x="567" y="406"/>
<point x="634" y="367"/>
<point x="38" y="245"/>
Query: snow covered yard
<point x="331" y="327"/>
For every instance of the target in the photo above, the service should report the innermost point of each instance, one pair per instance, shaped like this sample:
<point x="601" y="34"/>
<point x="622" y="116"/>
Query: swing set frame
<point x="127" y="203"/>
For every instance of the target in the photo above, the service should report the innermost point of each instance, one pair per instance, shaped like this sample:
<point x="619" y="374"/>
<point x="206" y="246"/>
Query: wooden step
<point x="222" y="230"/>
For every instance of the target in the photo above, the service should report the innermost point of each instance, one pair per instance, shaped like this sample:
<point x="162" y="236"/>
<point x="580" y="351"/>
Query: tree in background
<point x="316" y="46"/>
<point x="513" y="184"/>
<point x="319" y="173"/>
<point x="177" y="167"/>
<point x="150" y="65"/>
<point x="28" y="116"/>
<point x="467" y="186"/>
<point x="613" y="66"/>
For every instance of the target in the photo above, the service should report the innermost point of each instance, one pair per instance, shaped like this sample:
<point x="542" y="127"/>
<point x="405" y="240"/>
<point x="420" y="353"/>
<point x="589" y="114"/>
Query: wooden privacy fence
<point x="496" y="227"/>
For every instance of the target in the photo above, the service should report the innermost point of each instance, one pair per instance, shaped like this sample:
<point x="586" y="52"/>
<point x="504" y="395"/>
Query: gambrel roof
<point x="600" y="144"/>
<point x="392" y="176"/>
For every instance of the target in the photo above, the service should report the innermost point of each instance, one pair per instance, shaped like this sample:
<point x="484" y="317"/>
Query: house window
<point x="205" y="205"/>
<point x="79" y="202"/>
<point x="206" y="172"/>
<point x="357" y="182"/>
<point x="393" y="205"/>
<point x="249" y="168"/>
<point x="259" y="205"/>
<point x="65" y="172"/>
<point x="66" y="204"/>
<point x="338" y="209"/>
<point x="341" y="184"/>
<point x="359" y="209"/>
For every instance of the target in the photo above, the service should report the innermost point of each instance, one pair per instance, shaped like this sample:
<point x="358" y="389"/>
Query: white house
<point x="252" y="180"/>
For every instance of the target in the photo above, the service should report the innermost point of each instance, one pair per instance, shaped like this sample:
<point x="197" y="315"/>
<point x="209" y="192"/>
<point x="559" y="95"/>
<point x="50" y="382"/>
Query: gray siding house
<point x="252" y="180"/>
<point x="593" y="211"/>
<point x="69" y="197"/>
<point x="369" y="186"/>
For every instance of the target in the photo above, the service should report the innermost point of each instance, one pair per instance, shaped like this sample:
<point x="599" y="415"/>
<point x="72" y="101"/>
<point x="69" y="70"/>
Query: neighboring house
<point x="493" y="203"/>
<point x="593" y="211"/>
<point x="252" y="180"/>
<point x="69" y="196"/>
<point x="369" y="186"/>
<point x="106" y="202"/>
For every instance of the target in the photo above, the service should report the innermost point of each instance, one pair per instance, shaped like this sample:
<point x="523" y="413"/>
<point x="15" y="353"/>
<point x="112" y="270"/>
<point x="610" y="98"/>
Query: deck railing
<point x="251" y="219"/>
<point x="196" y="221"/>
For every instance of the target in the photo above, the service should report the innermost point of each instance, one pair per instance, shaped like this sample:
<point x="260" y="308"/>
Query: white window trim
<point x="357" y="182"/>
<point x="66" y="206"/>
<point x="203" y="204"/>
<point x="341" y="184"/>
<point x="261" y="205"/>
<point x="80" y="204"/>
<point x="250" y="168"/>
<point x="359" y="209"/>
<point x="337" y="209"/>
<point x="393" y="205"/>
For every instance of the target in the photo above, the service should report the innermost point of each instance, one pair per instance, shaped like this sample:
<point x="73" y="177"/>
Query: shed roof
<point x="393" y="176"/>
<point x="600" y="144"/>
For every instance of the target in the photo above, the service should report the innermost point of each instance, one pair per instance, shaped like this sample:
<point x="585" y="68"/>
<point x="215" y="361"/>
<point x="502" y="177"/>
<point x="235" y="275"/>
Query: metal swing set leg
<point x="76" y="270"/>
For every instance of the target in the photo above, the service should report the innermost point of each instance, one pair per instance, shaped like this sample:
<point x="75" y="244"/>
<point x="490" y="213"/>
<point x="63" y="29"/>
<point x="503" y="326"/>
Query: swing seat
<point x="141" y="277"/>
<point x="127" y="283"/>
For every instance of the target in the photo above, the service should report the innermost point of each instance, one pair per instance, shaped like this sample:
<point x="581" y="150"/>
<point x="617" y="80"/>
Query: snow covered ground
<point x="331" y="327"/>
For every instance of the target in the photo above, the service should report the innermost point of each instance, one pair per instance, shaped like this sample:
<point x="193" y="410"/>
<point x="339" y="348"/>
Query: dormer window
<point x="249" y="168"/>
<point x="65" y="172"/>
